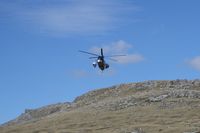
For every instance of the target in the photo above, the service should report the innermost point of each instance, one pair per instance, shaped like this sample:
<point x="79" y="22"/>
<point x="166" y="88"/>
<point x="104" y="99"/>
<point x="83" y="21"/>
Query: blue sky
<point x="39" y="59"/>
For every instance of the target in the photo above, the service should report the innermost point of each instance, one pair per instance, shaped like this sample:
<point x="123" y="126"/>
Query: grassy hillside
<point x="146" y="107"/>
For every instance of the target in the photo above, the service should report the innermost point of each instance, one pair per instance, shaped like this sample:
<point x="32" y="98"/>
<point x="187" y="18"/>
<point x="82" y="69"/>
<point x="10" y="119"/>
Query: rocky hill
<point x="144" y="107"/>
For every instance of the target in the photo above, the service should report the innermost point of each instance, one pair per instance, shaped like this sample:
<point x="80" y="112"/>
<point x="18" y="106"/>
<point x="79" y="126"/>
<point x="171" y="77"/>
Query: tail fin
<point x="101" y="52"/>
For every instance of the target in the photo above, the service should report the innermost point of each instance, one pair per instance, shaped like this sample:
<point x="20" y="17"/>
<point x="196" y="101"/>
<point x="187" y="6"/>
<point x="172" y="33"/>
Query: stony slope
<point x="145" y="107"/>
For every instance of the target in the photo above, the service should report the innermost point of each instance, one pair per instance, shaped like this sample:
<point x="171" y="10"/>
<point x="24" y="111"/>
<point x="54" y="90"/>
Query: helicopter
<point x="100" y="61"/>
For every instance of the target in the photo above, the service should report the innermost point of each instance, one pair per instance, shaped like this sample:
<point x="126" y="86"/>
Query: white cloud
<point x="113" y="48"/>
<point x="195" y="63"/>
<point x="130" y="58"/>
<point x="71" y="16"/>
<point x="119" y="47"/>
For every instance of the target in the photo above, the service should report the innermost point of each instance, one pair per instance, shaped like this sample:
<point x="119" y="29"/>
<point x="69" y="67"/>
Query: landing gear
<point x="106" y="66"/>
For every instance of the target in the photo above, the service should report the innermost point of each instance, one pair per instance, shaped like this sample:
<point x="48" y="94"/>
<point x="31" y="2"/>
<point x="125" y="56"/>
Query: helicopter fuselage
<point x="101" y="63"/>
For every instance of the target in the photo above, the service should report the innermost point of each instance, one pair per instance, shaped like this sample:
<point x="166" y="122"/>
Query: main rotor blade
<point x="112" y="59"/>
<point x="93" y="57"/>
<point x="115" y="55"/>
<point x="88" y="53"/>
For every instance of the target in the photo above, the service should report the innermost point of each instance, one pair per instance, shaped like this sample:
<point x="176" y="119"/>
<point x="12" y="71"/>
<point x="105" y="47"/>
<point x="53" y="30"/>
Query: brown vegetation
<point x="146" y="107"/>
